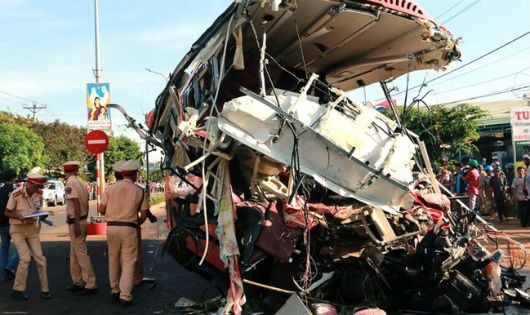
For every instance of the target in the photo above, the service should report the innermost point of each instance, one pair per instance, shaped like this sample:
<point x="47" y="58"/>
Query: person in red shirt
<point x="473" y="177"/>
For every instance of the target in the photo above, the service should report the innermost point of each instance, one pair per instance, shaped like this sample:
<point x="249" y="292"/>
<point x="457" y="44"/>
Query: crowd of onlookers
<point x="490" y="188"/>
<point x="155" y="187"/>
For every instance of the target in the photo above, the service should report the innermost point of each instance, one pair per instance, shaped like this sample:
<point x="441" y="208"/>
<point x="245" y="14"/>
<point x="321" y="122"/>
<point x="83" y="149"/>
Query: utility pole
<point x="100" y="158"/>
<point x="34" y="108"/>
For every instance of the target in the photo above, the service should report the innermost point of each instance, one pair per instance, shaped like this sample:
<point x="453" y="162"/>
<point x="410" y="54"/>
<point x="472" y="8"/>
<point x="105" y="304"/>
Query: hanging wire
<point x="300" y="46"/>
<point x="298" y="178"/>
<point x="258" y="45"/>
<point x="204" y="146"/>
<point x="406" y="98"/>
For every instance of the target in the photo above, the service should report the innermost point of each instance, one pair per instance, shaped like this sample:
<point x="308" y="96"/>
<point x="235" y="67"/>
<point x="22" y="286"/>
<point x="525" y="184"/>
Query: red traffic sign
<point x="96" y="141"/>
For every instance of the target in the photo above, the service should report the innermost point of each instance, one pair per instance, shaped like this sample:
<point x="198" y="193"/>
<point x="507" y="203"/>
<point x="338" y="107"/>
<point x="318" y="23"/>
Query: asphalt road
<point x="172" y="281"/>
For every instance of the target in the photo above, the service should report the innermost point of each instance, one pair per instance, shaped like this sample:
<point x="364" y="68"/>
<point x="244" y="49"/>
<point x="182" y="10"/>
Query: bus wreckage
<point x="284" y="189"/>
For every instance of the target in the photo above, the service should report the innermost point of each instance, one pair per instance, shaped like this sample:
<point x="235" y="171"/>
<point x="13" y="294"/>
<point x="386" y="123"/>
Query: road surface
<point x="173" y="281"/>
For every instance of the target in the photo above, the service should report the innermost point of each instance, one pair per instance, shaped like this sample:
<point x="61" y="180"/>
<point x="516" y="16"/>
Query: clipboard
<point x="37" y="214"/>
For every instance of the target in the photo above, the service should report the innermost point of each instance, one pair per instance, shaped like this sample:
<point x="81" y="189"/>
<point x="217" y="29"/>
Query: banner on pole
<point x="97" y="99"/>
<point x="520" y="123"/>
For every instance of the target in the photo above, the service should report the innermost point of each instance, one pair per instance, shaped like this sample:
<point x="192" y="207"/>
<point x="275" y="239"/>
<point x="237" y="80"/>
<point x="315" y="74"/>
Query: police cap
<point x="117" y="166"/>
<point x="37" y="179"/>
<point x="71" y="166"/>
<point x="130" y="167"/>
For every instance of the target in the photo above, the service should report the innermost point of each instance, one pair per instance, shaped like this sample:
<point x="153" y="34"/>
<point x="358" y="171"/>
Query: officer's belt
<point x="122" y="223"/>
<point x="72" y="220"/>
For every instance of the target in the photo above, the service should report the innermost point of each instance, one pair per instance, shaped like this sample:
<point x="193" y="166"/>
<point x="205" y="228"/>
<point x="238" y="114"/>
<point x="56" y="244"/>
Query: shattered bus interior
<point x="278" y="182"/>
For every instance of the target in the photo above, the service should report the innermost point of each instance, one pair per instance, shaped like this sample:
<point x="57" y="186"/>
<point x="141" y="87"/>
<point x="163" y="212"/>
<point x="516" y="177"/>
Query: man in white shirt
<point x="519" y="196"/>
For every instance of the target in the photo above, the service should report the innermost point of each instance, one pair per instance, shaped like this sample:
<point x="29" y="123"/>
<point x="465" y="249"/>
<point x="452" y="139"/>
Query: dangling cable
<point x="204" y="147"/>
<point x="301" y="48"/>
<point x="265" y="69"/>
<point x="404" y="115"/>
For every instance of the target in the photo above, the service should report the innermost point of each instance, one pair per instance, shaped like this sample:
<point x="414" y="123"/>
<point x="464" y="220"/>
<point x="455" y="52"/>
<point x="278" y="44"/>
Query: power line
<point x="16" y="96"/>
<point x="451" y="8"/>
<point x="11" y="100"/>
<point x="490" y="94"/>
<point x="33" y="108"/>
<point x="493" y="63"/>
<point x="467" y="64"/>
<point x="461" y="11"/>
<point x="482" y="82"/>
<point x="477" y="59"/>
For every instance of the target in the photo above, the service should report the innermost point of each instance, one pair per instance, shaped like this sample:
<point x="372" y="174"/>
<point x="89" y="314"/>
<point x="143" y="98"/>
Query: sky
<point x="47" y="52"/>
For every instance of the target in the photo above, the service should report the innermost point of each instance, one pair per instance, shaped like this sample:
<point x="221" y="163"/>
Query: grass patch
<point x="154" y="200"/>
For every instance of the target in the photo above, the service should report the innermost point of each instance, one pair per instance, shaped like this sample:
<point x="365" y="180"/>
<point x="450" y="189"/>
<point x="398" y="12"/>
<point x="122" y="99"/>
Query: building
<point x="496" y="132"/>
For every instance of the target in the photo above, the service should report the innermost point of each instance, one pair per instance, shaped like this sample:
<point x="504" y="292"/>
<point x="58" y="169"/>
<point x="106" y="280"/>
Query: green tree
<point x="455" y="126"/>
<point x="20" y="148"/>
<point x="120" y="148"/>
<point x="156" y="175"/>
<point x="63" y="143"/>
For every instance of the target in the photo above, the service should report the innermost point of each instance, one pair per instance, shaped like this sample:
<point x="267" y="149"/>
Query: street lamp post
<point x="100" y="157"/>
<point x="160" y="74"/>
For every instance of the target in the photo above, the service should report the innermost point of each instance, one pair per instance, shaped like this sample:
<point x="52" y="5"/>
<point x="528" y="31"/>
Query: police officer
<point x="139" y="266"/>
<point x="125" y="206"/>
<point x="81" y="269"/>
<point x="24" y="201"/>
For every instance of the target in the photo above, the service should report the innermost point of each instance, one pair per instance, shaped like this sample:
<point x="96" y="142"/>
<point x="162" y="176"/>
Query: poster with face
<point x="97" y="99"/>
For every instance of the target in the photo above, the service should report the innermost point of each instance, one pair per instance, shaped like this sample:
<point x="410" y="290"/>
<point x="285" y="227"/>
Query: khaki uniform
<point x="25" y="236"/>
<point x="139" y="266"/>
<point x="123" y="201"/>
<point x="81" y="269"/>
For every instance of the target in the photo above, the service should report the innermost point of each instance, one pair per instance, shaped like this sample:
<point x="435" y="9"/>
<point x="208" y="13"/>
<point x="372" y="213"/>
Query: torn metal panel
<point x="332" y="161"/>
<point x="294" y="305"/>
<point x="382" y="225"/>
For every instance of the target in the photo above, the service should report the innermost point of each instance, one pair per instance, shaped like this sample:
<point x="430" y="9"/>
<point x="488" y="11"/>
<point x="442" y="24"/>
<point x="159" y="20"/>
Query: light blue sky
<point x="47" y="51"/>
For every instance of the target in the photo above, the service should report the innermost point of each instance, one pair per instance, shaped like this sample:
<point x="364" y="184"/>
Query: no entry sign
<point x="96" y="141"/>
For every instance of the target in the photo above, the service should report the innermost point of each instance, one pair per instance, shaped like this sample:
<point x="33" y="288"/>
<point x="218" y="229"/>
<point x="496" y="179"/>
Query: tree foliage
<point x="63" y="142"/>
<point x="25" y="144"/>
<point x="20" y="148"/>
<point x="453" y="126"/>
<point x="120" y="148"/>
<point x="156" y="175"/>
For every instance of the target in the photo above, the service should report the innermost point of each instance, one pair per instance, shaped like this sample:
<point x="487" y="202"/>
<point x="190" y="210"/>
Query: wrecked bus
<point x="279" y="185"/>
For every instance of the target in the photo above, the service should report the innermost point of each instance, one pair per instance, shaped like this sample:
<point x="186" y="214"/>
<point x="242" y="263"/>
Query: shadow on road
<point x="173" y="282"/>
